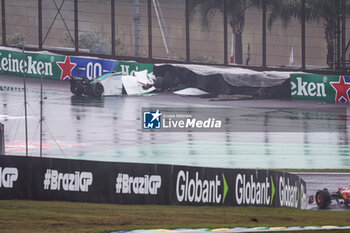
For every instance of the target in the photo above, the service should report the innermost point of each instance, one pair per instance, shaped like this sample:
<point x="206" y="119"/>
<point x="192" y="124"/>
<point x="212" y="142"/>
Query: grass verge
<point x="53" y="216"/>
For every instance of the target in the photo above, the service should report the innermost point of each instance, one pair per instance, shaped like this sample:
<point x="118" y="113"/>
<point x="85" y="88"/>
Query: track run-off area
<point x="109" y="129"/>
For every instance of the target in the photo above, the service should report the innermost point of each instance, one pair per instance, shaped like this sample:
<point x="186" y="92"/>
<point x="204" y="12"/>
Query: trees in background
<point x="236" y="10"/>
<point x="325" y="11"/>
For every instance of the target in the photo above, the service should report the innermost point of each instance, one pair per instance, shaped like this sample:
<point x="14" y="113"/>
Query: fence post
<point x="225" y="32"/>
<point x="40" y="23"/>
<point x="2" y="139"/>
<point x="113" y="26"/>
<point x="264" y="33"/>
<point x="303" y="66"/>
<point x="188" y="48"/>
<point x="3" y="21"/>
<point x="149" y="16"/>
<point x="76" y="29"/>
<point x="343" y="35"/>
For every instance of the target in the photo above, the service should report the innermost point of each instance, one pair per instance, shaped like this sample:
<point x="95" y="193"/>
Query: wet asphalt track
<point x="109" y="130"/>
<point x="331" y="181"/>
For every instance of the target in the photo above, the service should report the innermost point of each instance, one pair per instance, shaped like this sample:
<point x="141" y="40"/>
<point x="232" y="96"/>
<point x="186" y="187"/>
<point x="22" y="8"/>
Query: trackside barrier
<point x="331" y="88"/>
<point x="54" y="66"/>
<point x="133" y="183"/>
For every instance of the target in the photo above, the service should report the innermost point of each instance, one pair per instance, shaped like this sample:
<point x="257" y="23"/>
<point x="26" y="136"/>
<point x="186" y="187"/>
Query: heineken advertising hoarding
<point x="332" y="88"/>
<point x="53" y="66"/>
<point x="15" y="62"/>
<point x="129" y="68"/>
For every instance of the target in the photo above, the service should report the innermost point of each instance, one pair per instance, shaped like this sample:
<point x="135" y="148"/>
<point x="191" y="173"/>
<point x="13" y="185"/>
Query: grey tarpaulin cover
<point x="224" y="80"/>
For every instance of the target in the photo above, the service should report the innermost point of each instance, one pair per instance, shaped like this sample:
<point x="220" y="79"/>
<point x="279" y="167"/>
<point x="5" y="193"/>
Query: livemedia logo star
<point x="152" y="120"/>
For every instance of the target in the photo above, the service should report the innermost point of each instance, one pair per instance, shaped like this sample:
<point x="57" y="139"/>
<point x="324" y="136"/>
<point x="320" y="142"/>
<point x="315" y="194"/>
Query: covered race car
<point x="113" y="84"/>
<point x="324" y="198"/>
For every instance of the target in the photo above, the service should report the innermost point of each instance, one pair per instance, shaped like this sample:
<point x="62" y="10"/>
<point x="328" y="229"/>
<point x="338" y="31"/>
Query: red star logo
<point x="341" y="88"/>
<point x="66" y="68"/>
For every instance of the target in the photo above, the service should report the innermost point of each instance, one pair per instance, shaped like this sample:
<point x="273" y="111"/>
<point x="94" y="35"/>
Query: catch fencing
<point x="152" y="31"/>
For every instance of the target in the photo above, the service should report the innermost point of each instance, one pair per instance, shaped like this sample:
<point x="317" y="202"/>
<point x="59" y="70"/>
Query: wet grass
<point x="53" y="216"/>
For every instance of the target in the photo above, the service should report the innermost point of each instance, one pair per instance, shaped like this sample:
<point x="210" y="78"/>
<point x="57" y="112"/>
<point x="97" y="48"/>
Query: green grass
<point x="53" y="216"/>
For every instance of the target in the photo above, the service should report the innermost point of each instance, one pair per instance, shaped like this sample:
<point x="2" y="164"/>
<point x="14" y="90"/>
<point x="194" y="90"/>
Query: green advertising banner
<point x="332" y="88"/>
<point x="128" y="68"/>
<point x="15" y="62"/>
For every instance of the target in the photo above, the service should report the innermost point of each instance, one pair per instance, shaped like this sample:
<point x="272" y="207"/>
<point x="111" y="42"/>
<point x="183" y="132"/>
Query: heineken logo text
<point x="304" y="88"/>
<point x="29" y="65"/>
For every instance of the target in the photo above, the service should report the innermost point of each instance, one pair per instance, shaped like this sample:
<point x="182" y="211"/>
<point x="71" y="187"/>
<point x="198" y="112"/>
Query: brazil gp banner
<point x="331" y="88"/>
<point x="132" y="183"/>
<point x="84" y="181"/>
<point x="53" y="66"/>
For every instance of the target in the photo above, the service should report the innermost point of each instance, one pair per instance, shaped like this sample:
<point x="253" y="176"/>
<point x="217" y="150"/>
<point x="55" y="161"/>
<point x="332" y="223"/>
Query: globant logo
<point x="147" y="184"/>
<point x="252" y="192"/>
<point x="200" y="190"/>
<point x="8" y="175"/>
<point x="76" y="182"/>
<point x="288" y="193"/>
